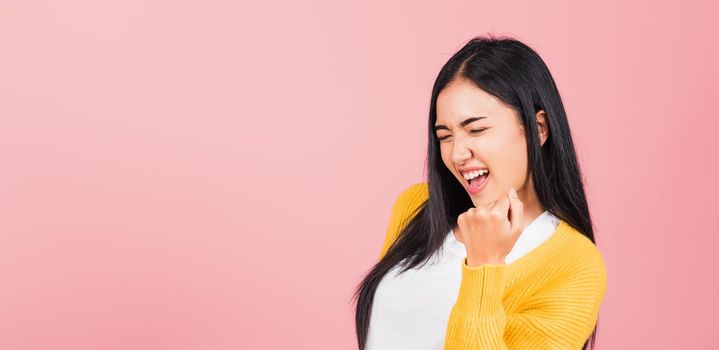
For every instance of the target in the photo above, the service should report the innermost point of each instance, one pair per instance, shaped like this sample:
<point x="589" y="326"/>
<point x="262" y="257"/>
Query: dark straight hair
<point x="510" y="70"/>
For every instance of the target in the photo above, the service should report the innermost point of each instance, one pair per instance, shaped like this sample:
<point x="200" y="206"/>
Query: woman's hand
<point x="488" y="233"/>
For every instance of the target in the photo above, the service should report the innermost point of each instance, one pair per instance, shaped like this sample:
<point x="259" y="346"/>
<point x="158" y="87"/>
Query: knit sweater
<point x="547" y="299"/>
<point x="402" y="319"/>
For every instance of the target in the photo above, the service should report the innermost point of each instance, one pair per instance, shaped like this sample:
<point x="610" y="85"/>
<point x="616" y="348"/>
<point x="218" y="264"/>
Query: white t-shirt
<point x="411" y="311"/>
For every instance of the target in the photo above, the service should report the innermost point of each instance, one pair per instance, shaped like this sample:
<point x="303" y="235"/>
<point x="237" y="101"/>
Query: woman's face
<point x="491" y="138"/>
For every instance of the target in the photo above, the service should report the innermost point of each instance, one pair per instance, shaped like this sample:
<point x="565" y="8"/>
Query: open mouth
<point x="476" y="178"/>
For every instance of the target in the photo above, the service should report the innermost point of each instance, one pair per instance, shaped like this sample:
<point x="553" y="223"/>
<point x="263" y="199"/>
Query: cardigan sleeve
<point x="560" y="318"/>
<point x="403" y="210"/>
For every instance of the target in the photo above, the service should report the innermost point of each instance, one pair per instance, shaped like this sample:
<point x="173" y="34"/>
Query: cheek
<point x="507" y="160"/>
<point x="446" y="156"/>
<point x="443" y="152"/>
<point x="514" y="162"/>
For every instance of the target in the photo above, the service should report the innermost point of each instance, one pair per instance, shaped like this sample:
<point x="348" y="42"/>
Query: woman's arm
<point x="562" y="317"/>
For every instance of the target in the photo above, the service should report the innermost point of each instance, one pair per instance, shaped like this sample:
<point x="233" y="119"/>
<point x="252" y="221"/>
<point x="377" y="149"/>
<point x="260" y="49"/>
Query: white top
<point x="411" y="311"/>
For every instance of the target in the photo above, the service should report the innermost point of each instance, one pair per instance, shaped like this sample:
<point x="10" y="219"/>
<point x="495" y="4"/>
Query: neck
<point x="532" y="207"/>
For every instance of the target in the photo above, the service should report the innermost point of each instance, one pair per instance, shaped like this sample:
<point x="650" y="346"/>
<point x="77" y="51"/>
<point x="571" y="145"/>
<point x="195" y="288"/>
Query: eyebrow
<point x="462" y="124"/>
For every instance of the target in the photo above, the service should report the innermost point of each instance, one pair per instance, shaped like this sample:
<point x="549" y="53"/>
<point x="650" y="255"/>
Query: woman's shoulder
<point x="582" y="257"/>
<point x="404" y="209"/>
<point x="413" y="196"/>
<point x="408" y="201"/>
<point x="586" y="250"/>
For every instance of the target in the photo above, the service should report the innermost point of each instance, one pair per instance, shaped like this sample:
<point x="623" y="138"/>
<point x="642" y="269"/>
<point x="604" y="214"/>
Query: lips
<point x="479" y="184"/>
<point x="464" y="170"/>
<point x="470" y="170"/>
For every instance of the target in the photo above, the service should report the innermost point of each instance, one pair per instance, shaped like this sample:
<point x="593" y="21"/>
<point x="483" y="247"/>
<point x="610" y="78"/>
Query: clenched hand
<point x="489" y="232"/>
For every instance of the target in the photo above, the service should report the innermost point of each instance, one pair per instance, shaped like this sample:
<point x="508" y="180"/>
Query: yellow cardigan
<point x="547" y="299"/>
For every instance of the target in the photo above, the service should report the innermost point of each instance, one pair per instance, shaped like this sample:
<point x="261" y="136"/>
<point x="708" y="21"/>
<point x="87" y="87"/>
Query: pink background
<point x="214" y="175"/>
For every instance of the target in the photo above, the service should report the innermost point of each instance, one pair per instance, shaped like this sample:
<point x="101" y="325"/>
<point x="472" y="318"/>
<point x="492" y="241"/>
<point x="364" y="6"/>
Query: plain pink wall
<point x="214" y="175"/>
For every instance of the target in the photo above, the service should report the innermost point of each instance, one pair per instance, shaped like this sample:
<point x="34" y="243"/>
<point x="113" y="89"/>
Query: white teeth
<point x="472" y="174"/>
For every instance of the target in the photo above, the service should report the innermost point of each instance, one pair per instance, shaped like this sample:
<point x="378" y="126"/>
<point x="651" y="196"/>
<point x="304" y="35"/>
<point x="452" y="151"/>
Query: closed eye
<point x="473" y="131"/>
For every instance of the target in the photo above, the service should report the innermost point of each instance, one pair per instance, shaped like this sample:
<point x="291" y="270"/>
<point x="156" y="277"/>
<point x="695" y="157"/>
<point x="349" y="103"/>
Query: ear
<point x="543" y="127"/>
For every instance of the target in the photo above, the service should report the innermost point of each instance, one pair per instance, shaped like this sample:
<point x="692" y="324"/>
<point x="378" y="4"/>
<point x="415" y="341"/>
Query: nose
<point x="461" y="151"/>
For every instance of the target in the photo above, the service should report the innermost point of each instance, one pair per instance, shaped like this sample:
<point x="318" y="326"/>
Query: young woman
<point x="496" y="250"/>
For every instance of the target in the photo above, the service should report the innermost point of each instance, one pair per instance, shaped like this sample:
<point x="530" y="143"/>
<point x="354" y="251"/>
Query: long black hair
<point x="514" y="73"/>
